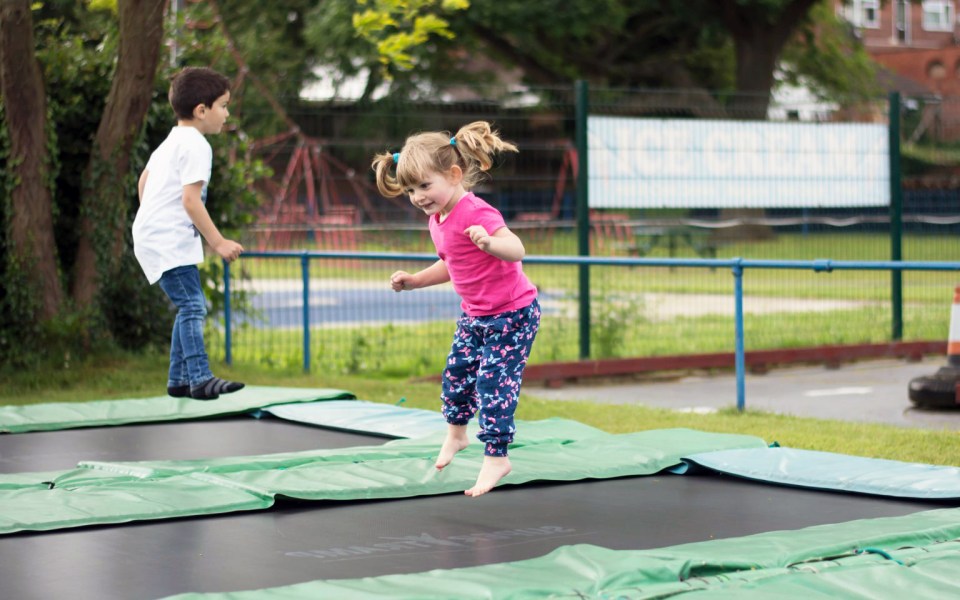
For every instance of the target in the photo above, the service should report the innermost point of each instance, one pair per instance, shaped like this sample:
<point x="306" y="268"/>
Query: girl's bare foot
<point x="493" y="470"/>
<point x="455" y="441"/>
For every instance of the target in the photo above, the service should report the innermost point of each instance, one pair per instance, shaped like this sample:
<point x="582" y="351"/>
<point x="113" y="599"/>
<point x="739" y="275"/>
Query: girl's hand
<point x="479" y="236"/>
<point x="401" y="280"/>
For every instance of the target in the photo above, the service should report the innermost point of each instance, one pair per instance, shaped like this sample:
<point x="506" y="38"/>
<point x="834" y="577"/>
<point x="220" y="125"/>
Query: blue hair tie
<point x="453" y="141"/>
<point x="396" y="157"/>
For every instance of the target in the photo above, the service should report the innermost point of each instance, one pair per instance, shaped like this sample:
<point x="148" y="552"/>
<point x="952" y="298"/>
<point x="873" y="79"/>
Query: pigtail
<point x="386" y="183"/>
<point x="478" y="143"/>
<point x="472" y="149"/>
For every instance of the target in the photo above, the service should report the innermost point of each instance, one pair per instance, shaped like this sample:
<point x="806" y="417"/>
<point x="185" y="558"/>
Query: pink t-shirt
<point x="486" y="284"/>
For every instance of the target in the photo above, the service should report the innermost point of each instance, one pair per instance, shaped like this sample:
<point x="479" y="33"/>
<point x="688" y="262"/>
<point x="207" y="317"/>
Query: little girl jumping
<point x="481" y="257"/>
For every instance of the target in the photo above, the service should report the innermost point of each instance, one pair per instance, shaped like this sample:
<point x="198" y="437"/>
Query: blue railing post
<point x="738" y="333"/>
<point x="305" y="269"/>
<point x="228" y="339"/>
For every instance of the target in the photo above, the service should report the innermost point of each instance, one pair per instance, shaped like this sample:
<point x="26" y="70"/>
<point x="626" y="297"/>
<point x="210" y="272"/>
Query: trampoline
<point x="294" y="541"/>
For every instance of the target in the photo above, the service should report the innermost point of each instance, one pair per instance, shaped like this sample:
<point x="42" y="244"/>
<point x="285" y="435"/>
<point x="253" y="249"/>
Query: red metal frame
<point x="758" y="361"/>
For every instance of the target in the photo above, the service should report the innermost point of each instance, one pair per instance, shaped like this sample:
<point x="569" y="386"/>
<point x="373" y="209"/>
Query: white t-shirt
<point x="163" y="234"/>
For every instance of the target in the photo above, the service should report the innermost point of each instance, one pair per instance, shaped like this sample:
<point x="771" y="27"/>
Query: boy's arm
<point x="228" y="250"/>
<point x="502" y="243"/>
<point x="142" y="184"/>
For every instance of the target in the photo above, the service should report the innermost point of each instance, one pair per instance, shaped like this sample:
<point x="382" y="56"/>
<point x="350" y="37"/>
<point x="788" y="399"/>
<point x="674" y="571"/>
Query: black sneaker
<point x="213" y="387"/>
<point x="179" y="391"/>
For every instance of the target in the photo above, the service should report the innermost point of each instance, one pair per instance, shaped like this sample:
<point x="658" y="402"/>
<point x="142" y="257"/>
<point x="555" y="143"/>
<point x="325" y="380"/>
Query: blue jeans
<point x="484" y="372"/>
<point x="189" y="364"/>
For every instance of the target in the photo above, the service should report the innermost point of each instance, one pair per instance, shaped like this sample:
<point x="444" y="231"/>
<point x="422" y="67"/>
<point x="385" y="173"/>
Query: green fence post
<point x="305" y="274"/>
<point x="896" y="219"/>
<point x="583" y="214"/>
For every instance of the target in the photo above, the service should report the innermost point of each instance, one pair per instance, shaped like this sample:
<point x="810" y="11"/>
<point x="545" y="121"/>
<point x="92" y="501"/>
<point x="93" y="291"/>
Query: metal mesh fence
<point x="338" y="315"/>
<point x="322" y="197"/>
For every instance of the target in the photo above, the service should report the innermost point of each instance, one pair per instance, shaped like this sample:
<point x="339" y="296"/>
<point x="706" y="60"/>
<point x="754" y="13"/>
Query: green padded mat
<point x="550" y="450"/>
<point x="916" y="556"/>
<point x="66" y="415"/>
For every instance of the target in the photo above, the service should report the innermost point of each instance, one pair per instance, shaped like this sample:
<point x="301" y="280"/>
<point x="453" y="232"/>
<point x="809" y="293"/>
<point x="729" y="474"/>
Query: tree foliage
<point x="829" y="59"/>
<point x="73" y="277"/>
<point x="717" y="45"/>
<point x="411" y="22"/>
<point x="680" y="44"/>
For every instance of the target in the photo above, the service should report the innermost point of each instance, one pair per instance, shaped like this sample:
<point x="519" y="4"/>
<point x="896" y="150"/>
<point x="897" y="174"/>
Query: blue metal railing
<point x="736" y="265"/>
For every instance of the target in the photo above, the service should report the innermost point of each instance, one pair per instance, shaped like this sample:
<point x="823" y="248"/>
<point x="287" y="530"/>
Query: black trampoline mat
<point x="294" y="542"/>
<point x="177" y="440"/>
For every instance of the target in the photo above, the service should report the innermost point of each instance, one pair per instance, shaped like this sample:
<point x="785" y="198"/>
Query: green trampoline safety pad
<point x="116" y="492"/>
<point x="67" y="415"/>
<point x="898" y="557"/>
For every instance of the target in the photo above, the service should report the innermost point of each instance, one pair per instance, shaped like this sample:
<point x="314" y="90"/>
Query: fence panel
<point x="640" y="310"/>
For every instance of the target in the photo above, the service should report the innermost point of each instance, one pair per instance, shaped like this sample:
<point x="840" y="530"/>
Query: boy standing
<point x="172" y="216"/>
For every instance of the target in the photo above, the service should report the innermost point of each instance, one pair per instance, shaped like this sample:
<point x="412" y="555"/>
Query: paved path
<point x="870" y="391"/>
<point x="279" y="303"/>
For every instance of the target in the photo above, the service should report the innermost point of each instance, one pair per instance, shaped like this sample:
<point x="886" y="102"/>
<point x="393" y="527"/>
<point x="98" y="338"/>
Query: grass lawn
<point x="145" y="375"/>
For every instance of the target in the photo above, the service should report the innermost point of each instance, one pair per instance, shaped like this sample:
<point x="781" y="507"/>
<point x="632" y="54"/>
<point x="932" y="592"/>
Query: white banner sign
<point x="686" y="163"/>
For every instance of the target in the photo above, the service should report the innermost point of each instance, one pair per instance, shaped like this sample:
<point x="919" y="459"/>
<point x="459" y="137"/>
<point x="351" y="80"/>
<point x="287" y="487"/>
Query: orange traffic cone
<point x="940" y="389"/>
<point x="953" y="342"/>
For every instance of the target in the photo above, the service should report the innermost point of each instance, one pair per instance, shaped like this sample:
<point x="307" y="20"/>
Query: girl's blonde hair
<point x="471" y="148"/>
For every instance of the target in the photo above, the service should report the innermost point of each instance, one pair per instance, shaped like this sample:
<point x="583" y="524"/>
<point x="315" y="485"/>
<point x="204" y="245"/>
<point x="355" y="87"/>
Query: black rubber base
<point x="936" y="391"/>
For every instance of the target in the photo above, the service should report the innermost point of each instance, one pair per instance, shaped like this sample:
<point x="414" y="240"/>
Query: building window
<point x="902" y="21"/>
<point x="938" y="15"/>
<point x="862" y="14"/>
<point x="870" y="13"/>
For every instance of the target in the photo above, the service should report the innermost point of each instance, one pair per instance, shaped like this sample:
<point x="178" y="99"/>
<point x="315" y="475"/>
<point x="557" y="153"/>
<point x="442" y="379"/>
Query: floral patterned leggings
<point x="484" y="372"/>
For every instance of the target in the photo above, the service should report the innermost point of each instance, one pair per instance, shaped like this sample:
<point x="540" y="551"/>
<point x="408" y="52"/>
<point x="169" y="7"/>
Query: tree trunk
<point x="756" y="60"/>
<point x="758" y="41"/>
<point x="759" y="37"/>
<point x="104" y="205"/>
<point x="32" y="248"/>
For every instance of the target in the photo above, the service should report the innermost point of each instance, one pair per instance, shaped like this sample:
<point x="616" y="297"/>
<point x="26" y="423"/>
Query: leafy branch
<point x="396" y="27"/>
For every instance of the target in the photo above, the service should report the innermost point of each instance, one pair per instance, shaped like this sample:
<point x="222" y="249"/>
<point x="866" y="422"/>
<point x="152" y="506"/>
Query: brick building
<point x="919" y="43"/>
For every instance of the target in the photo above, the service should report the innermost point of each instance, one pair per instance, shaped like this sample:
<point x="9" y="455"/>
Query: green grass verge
<point x="145" y="375"/>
